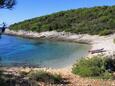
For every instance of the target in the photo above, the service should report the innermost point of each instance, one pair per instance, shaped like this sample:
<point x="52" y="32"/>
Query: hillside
<point x="96" y="20"/>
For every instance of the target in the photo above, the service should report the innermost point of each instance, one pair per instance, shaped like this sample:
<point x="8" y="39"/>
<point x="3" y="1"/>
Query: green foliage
<point x="106" y="75"/>
<point x="105" y="32"/>
<point x="96" y="20"/>
<point x="45" y="77"/>
<point x="7" y="3"/>
<point x="114" y="41"/>
<point x="97" y="66"/>
<point x="23" y="73"/>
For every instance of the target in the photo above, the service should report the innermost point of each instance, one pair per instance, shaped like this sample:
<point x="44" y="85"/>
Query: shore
<point x="96" y="42"/>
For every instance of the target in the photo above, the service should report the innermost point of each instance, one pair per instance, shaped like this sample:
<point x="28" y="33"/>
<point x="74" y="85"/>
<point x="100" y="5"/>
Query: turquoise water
<point x="16" y="50"/>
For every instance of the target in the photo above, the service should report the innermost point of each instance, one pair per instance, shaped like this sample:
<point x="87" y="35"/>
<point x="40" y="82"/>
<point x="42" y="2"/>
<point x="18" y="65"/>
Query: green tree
<point x="94" y="21"/>
<point x="7" y="4"/>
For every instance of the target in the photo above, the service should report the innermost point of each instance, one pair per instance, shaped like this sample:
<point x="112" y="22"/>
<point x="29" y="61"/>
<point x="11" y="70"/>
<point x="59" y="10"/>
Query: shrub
<point x="97" y="66"/>
<point x="45" y="77"/>
<point x="23" y="73"/>
<point x="106" y="75"/>
<point x="114" y="41"/>
<point x="105" y="32"/>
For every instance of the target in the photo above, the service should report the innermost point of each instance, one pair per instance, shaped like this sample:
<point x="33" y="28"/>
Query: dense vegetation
<point x="96" y="20"/>
<point x="98" y="66"/>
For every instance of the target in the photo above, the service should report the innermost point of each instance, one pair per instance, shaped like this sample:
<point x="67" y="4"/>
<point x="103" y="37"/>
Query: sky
<point x="26" y="9"/>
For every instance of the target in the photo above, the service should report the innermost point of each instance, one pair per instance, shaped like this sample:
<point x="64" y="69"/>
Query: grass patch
<point x="97" y="66"/>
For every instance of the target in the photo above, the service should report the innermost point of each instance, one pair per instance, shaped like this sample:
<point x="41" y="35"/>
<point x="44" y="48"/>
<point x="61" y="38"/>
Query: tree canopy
<point x="96" y="20"/>
<point x="7" y="4"/>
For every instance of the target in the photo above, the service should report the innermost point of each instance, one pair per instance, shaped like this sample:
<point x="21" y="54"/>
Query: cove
<point x="54" y="54"/>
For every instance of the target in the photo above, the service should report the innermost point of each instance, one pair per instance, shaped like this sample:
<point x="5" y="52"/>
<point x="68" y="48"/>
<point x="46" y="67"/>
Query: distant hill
<point x="96" y="20"/>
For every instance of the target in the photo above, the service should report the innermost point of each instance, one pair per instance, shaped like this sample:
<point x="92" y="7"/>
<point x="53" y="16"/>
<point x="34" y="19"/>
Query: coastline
<point x="50" y="35"/>
<point x="96" y="41"/>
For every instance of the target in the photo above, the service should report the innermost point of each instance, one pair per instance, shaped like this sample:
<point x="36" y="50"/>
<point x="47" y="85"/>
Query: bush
<point x="114" y="41"/>
<point x="107" y="75"/>
<point x="45" y="77"/>
<point x="105" y="32"/>
<point x="97" y="66"/>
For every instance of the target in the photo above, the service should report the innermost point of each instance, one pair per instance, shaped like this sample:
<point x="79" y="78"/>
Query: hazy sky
<point x="26" y="9"/>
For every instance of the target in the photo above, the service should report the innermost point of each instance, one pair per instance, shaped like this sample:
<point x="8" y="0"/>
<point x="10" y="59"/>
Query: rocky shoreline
<point x="96" y="42"/>
<point x="51" y="35"/>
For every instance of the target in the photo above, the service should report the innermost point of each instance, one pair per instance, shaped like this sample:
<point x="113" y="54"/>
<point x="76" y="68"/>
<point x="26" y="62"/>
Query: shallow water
<point x="16" y="50"/>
